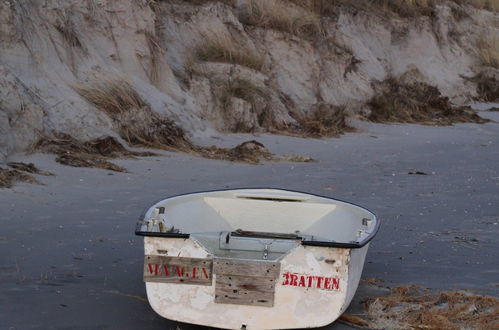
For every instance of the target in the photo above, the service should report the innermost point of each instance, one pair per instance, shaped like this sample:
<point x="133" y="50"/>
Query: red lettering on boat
<point x="153" y="271"/>
<point x="319" y="281"/>
<point x="286" y="278"/>
<point x="179" y="271"/>
<point x="335" y="284"/>
<point x="307" y="281"/>
<point x="327" y="283"/>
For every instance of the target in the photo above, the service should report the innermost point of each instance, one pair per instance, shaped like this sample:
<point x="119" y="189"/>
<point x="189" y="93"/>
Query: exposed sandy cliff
<point x="100" y="67"/>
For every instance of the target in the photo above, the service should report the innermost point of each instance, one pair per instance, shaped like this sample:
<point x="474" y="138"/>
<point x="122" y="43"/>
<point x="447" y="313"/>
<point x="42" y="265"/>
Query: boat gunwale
<point x="304" y="242"/>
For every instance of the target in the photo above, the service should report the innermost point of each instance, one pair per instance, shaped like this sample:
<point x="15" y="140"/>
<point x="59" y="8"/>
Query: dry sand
<point x="70" y="259"/>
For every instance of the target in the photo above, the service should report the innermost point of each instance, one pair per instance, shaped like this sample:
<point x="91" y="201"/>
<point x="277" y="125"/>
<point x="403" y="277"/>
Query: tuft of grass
<point x="111" y="95"/>
<point x="257" y="97"/>
<point x="133" y="117"/>
<point x="225" y="50"/>
<point x="66" y="28"/>
<point x="416" y="103"/>
<point x="402" y="8"/>
<point x="156" y="56"/>
<point x="231" y="3"/>
<point x="279" y="15"/>
<point x="488" y="50"/>
<point x="490" y="5"/>
<point x="320" y="7"/>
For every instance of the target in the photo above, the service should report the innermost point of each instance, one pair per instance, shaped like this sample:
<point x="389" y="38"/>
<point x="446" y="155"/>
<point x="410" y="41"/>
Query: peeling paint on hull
<point x="295" y="306"/>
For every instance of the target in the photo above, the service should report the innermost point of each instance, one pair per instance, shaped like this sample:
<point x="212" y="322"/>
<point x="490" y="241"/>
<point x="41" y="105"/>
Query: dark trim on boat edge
<point x="357" y="245"/>
<point x="167" y="235"/>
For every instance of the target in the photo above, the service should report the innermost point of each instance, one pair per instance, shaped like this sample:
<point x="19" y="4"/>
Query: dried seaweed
<point x="353" y="320"/>
<point x="8" y="177"/>
<point x="86" y="160"/>
<point x="29" y="168"/>
<point x="323" y="120"/>
<point x="252" y="152"/>
<point x="411" y="307"/>
<point x="92" y="153"/>
<point x="248" y="152"/>
<point x="487" y="86"/>
<point x="417" y="102"/>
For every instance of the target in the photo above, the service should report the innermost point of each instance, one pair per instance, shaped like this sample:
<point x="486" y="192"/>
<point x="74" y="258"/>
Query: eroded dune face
<point x="237" y="66"/>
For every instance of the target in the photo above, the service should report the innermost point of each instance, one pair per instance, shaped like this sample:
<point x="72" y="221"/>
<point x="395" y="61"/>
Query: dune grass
<point x="225" y="50"/>
<point x="279" y="15"/>
<point x="257" y="97"/>
<point x="111" y="95"/>
<point x="134" y="119"/>
<point x="488" y="50"/>
<point x="66" y="28"/>
<point x="403" y="8"/>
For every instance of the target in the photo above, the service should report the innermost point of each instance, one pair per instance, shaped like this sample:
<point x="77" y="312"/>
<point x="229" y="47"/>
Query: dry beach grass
<point x="279" y="15"/>
<point x="488" y="49"/>
<point x="403" y="8"/>
<point x="224" y="49"/>
<point x="133" y="117"/>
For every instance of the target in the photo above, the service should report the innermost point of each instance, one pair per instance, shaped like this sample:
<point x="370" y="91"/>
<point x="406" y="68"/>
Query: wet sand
<point x="70" y="260"/>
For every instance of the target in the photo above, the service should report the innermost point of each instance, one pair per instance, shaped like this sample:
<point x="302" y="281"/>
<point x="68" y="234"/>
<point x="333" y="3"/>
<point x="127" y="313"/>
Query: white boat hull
<point x="254" y="258"/>
<point x="294" y="306"/>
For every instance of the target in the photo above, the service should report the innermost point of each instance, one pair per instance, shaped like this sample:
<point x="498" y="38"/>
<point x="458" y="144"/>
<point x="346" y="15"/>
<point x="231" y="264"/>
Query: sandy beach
<point x="70" y="259"/>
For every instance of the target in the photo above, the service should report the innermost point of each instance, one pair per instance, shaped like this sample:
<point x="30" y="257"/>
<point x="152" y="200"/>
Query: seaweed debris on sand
<point x="417" y="102"/>
<point x="252" y="152"/>
<point x="9" y="176"/>
<point x="412" y="307"/>
<point x="93" y="153"/>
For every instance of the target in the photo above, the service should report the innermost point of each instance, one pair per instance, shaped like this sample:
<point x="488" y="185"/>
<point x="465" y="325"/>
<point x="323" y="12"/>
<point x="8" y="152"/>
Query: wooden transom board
<point x="245" y="282"/>
<point x="164" y="269"/>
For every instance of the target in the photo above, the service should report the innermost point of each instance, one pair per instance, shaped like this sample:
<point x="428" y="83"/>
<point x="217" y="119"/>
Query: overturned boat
<point x="254" y="258"/>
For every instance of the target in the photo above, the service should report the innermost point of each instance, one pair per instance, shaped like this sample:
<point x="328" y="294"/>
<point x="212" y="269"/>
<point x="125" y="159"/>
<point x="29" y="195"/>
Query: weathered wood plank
<point x="246" y="267"/>
<point x="164" y="269"/>
<point x="245" y="282"/>
<point x="244" y="290"/>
